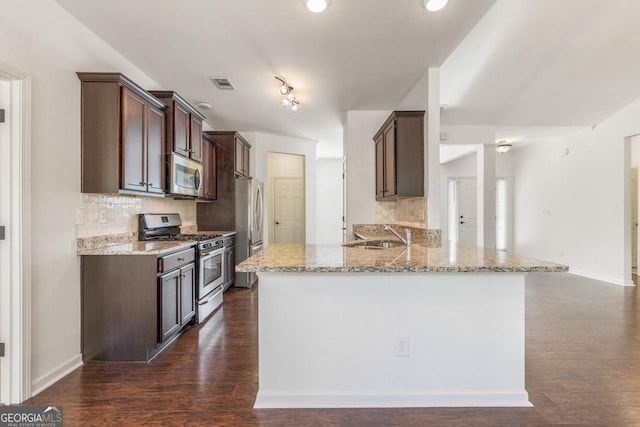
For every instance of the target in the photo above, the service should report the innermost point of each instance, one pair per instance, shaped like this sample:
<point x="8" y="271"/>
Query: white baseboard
<point x="608" y="279"/>
<point x="476" y="398"/>
<point x="55" y="374"/>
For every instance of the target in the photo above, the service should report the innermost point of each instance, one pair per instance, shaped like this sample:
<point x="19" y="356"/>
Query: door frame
<point x="15" y="300"/>
<point x="509" y="207"/>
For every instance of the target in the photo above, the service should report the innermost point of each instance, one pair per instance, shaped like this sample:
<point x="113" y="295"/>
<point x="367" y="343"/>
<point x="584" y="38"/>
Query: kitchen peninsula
<point x="429" y="324"/>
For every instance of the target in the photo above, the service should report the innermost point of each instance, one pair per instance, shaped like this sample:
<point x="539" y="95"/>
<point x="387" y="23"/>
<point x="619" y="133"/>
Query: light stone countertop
<point x="128" y="243"/>
<point x="140" y="248"/>
<point x="433" y="257"/>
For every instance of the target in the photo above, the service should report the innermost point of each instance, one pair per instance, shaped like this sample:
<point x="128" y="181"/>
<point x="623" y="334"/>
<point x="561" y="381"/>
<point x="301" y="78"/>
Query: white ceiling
<point x="528" y="67"/>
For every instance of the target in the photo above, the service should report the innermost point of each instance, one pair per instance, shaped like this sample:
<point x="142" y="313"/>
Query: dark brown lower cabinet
<point x="176" y="296"/>
<point x="133" y="305"/>
<point x="169" y="310"/>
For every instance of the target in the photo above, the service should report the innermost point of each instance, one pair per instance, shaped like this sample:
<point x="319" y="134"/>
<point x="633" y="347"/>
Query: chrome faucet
<point x="406" y="240"/>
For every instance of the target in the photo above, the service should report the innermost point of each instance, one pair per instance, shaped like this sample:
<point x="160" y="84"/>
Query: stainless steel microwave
<point x="185" y="176"/>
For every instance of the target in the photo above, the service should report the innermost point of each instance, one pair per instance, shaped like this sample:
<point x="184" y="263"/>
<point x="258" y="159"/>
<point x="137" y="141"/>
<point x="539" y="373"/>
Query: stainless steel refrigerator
<point x="249" y="224"/>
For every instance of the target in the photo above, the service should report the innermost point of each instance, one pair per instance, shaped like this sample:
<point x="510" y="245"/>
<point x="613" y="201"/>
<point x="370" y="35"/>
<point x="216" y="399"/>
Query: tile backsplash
<point x="410" y="212"/>
<point x="100" y="214"/>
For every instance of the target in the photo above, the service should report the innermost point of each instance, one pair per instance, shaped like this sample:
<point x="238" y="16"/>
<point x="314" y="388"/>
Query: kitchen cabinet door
<point x="245" y="159"/>
<point x="379" y="167"/>
<point x="209" y="186"/>
<point x="389" y="161"/>
<point x="169" y="291"/>
<point x="133" y="141"/>
<point x="187" y="294"/>
<point x="239" y="155"/>
<point x="155" y="151"/>
<point x="181" y="129"/>
<point x="242" y="153"/>
<point x="195" y="145"/>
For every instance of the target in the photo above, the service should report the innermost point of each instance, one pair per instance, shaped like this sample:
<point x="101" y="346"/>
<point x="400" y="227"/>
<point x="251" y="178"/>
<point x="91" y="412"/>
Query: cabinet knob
<point x="141" y="183"/>
<point x="180" y="259"/>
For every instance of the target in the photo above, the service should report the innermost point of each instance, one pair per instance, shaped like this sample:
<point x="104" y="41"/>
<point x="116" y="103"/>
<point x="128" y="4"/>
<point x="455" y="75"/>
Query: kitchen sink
<point x="376" y="245"/>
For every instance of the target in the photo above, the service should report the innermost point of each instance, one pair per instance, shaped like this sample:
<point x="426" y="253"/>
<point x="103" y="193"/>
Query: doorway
<point x="462" y="211"/>
<point x="632" y="210"/>
<point x="286" y="181"/>
<point x="15" y="251"/>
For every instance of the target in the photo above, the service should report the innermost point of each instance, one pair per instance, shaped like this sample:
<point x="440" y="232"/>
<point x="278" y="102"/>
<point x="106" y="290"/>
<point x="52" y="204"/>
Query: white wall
<point x="571" y="208"/>
<point x="263" y="143"/>
<point x="359" y="149"/>
<point x="47" y="43"/>
<point x="329" y="199"/>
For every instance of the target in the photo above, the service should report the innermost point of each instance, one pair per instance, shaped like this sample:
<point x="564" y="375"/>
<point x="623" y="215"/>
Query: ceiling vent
<point x="222" y="83"/>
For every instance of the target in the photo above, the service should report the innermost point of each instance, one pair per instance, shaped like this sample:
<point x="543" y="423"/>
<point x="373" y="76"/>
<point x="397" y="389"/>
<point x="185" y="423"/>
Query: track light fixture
<point x="289" y="98"/>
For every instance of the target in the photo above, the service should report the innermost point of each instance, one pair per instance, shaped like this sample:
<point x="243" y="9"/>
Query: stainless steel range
<point x="210" y="260"/>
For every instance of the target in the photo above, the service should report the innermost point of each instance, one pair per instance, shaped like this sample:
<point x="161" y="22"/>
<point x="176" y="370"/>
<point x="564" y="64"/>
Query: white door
<point x="467" y="211"/>
<point x="289" y="221"/>
<point x="634" y="217"/>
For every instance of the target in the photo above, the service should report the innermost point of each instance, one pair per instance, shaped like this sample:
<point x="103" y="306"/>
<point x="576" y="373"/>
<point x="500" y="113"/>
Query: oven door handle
<point x="211" y="254"/>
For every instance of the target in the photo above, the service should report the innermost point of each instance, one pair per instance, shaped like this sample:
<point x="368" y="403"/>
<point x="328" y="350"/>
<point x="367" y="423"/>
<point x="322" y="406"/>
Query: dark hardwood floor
<point x="582" y="358"/>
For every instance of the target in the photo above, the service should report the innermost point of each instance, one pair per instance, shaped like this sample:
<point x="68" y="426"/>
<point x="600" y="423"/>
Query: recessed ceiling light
<point x="317" y="6"/>
<point x="435" y="5"/>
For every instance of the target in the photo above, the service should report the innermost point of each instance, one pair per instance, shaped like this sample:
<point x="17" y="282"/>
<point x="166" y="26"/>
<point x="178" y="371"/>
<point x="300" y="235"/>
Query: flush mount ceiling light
<point x="503" y="146"/>
<point x="434" y="5"/>
<point x="289" y="98"/>
<point x="317" y="6"/>
<point x="204" y="105"/>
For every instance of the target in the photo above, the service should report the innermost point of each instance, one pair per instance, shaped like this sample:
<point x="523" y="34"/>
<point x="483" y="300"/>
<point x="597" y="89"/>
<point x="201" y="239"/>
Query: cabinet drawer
<point x="178" y="259"/>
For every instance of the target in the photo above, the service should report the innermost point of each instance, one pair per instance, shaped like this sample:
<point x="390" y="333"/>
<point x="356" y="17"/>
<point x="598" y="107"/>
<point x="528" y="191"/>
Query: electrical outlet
<point x="103" y="217"/>
<point x="79" y="216"/>
<point x="402" y="346"/>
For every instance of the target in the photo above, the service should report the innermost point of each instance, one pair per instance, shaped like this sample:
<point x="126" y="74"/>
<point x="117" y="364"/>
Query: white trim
<point x="600" y="277"/>
<point x="16" y="325"/>
<point x="54" y="375"/>
<point x="475" y="398"/>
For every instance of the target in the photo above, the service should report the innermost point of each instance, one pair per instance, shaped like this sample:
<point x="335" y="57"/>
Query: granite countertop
<point x="427" y="257"/>
<point x="128" y="243"/>
<point x="139" y="248"/>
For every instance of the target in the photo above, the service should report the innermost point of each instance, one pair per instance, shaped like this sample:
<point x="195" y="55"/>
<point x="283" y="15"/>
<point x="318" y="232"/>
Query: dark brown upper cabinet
<point x="242" y="151"/>
<point x="231" y="151"/>
<point x="123" y="131"/>
<point x="184" y="125"/>
<point x="209" y="165"/>
<point x="399" y="148"/>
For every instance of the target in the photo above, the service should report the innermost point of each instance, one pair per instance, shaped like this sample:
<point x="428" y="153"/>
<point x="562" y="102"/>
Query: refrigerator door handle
<point x="259" y="209"/>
